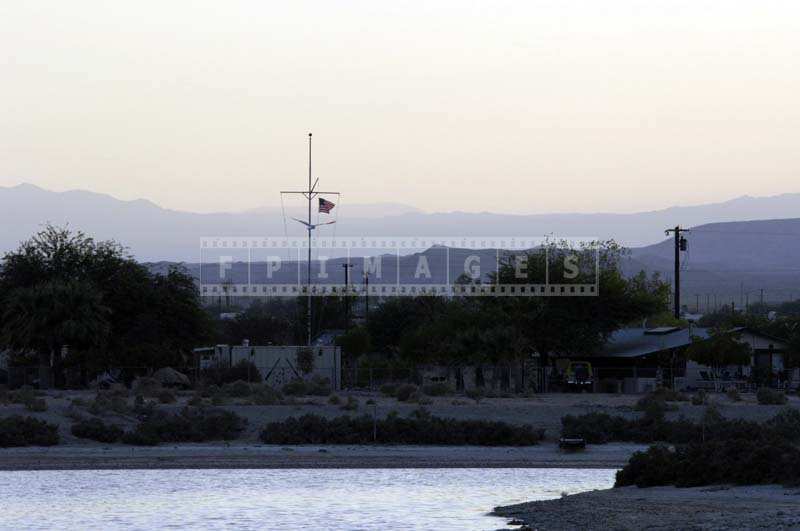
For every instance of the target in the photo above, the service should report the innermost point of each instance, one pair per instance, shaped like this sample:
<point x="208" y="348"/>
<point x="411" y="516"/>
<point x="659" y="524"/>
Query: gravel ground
<point x="665" y="508"/>
<point x="541" y="411"/>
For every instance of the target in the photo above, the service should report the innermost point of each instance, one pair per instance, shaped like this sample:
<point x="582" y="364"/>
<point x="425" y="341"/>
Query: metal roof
<point x="635" y="342"/>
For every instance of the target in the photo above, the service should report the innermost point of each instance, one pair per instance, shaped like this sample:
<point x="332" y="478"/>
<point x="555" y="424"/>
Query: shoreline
<point x="712" y="507"/>
<point x="97" y="457"/>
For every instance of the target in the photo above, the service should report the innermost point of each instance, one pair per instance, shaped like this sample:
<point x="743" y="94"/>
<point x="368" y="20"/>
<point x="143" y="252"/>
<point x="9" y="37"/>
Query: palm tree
<point x="47" y="317"/>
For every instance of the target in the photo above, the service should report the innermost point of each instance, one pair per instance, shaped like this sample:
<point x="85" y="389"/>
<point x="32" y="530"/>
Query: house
<point x="637" y="360"/>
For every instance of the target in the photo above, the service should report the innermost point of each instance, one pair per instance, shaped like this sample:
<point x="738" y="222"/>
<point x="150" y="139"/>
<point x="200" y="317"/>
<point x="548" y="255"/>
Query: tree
<point x="50" y="316"/>
<point x="723" y="348"/>
<point x="150" y="320"/>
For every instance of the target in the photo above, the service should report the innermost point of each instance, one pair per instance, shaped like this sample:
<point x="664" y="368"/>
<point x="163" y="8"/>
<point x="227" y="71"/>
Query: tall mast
<point x="310" y="193"/>
<point x="309" y="227"/>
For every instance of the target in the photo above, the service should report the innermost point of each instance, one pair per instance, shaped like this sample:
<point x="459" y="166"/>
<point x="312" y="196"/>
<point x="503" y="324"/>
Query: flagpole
<point x="308" y="283"/>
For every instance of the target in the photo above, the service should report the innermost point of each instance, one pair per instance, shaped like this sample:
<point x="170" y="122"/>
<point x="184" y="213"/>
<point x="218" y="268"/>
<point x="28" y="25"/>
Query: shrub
<point x="17" y="430"/>
<point x="653" y="402"/>
<point x="770" y="397"/>
<point x="146" y="386"/>
<point x="389" y="389"/>
<point x="700" y="398"/>
<point x="119" y="390"/>
<point x="351" y="404"/>
<point x="319" y="386"/>
<point x="295" y="388"/>
<point x="305" y="360"/>
<point x="237" y="389"/>
<point x="437" y="389"/>
<point x="738" y="461"/>
<point x="23" y="395"/>
<point x="196" y="400"/>
<point x="668" y="395"/>
<point x="119" y="405"/>
<point x="475" y="393"/>
<point x="36" y="404"/>
<point x="405" y="392"/>
<point x="264" y="395"/>
<point x="657" y="466"/>
<point x="96" y="430"/>
<point x="786" y="424"/>
<point x="599" y="428"/>
<point x="190" y="425"/>
<point x="316" y="386"/>
<point x="166" y="397"/>
<point x="334" y="400"/>
<point x="733" y="394"/>
<point x="419" y="428"/>
<point x="370" y="402"/>
<point x="101" y="404"/>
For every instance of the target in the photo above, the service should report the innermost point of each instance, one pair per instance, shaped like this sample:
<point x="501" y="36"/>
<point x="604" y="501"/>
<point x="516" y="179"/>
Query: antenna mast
<point x="310" y="194"/>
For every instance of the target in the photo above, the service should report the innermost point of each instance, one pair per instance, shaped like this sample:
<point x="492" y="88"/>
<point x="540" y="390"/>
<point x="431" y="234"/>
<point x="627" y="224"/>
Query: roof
<point x="635" y="342"/>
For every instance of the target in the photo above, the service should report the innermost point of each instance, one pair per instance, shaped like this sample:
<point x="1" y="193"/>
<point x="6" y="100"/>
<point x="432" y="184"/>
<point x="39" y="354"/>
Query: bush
<point x="733" y="394"/>
<point x="237" y="389"/>
<point x="118" y="390"/>
<point x="389" y="389"/>
<point x="786" y="424"/>
<point x="737" y="461"/>
<point x="419" y="428"/>
<point x="23" y="395"/>
<point x="96" y="430"/>
<point x="316" y="386"/>
<point x="599" y="428"/>
<point x="196" y="400"/>
<point x="351" y="404"/>
<point x="36" y="404"/>
<point x="437" y="389"/>
<point x="334" y="400"/>
<point x="700" y="398"/>
<point x="119" y="405"/>
<point x="264" y="395"/>
<point x="770" y="397"/>
<point x="475" y="393"/>
<point x="319" y="386"/>
<point x="190" y="425"/>
<point x="295" y="388"/>
<point x="166" y="397"/>
<point x="668" y="395"/>
<point x="17" y="430"/>
<point x="405" y="392"/>
<point x="146" y="386"/>
<point x="653" y="402"/>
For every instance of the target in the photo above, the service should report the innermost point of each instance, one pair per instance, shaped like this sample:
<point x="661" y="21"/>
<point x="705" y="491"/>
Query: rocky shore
<point x="664" y="508"/>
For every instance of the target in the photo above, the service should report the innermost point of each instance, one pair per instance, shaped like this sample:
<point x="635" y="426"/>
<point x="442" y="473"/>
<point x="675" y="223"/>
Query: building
<point x="637" y="360"/>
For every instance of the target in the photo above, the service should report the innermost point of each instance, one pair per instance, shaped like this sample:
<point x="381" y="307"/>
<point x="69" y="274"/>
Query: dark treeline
<point x="67" y="300"/>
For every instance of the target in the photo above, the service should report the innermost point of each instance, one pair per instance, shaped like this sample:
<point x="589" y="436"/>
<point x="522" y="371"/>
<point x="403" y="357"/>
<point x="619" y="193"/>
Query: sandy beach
<point x="665" y="508"/>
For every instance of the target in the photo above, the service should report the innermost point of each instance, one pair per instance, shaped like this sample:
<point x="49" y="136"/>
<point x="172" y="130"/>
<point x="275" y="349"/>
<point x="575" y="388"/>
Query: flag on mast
<point x="325" y="206"/>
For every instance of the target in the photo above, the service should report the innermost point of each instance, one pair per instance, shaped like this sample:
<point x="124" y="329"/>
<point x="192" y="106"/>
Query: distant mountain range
<point x="153" y="233"/>
<point x="735" y="249"/>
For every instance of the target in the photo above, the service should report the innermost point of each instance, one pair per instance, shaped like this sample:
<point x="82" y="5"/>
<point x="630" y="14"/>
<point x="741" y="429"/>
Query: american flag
<point x="325" y="206"/>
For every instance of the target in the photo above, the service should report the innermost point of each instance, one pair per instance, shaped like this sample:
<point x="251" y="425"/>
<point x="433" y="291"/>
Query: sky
<point x="522" y="107"/>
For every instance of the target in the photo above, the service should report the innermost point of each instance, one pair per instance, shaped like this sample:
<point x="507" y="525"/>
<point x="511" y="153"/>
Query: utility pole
<point x="347" y="266"/>
<point x="310" y="194"/>
<point x="680" y="245"/>
<point x="697" y="303"/>
<point x="366" y="293"/>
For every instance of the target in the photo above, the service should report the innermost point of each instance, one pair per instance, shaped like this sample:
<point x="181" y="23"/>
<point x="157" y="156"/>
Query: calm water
<point x="278" y="499"/>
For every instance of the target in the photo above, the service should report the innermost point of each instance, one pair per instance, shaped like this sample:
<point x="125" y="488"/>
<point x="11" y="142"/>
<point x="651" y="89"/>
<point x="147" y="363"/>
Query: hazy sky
<point x="530" y="106"/>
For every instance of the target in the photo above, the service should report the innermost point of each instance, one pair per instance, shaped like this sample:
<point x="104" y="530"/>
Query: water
<point x="348" y="499"/>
